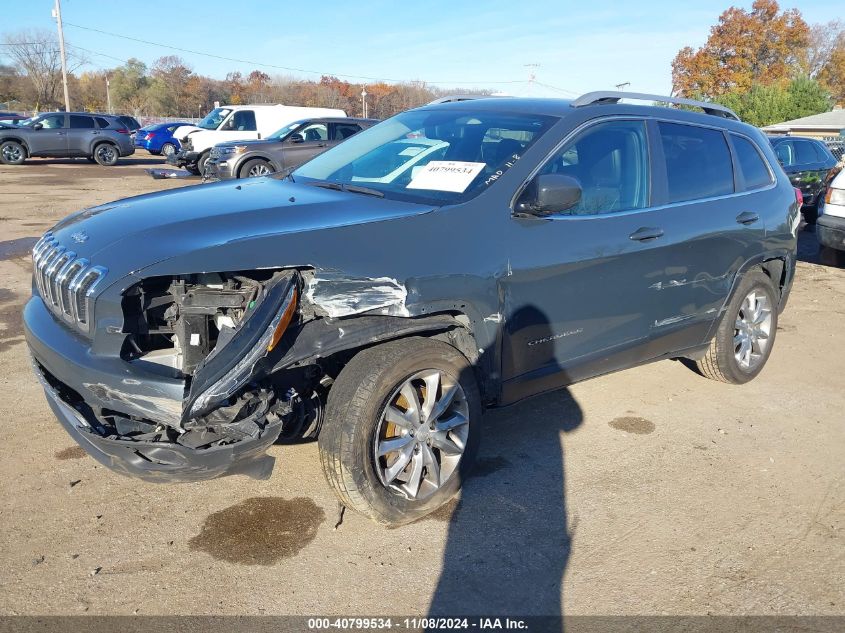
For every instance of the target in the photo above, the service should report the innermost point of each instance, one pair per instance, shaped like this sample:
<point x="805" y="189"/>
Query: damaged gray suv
<point x="463" y="255"/>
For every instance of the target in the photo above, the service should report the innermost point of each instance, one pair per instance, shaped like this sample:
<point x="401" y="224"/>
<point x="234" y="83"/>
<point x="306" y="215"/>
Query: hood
<point x="132" y="234"/>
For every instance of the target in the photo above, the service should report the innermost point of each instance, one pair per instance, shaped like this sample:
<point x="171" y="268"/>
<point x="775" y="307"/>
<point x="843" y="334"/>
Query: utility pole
<point x="364" y="102"/>
<point x="108" y="95"/>
<point x="57" y="13"/>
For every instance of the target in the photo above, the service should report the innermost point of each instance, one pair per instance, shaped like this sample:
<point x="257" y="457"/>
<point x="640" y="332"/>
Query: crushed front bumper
<point x="64" y="365"/>
<point x="182" y="158"/>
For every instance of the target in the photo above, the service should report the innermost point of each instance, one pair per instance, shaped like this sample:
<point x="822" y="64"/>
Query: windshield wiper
<point x="365" y="190"/>
<point x="336" y="186"/>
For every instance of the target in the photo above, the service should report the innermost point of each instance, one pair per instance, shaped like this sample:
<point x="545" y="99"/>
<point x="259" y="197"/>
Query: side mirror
<point x="38" y="126"/>
<point x="548" y="194"/>
<point x="296" y="138"/>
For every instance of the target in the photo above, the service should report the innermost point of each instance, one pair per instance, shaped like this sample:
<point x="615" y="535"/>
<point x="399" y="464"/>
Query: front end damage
<point x="252" y="354"/>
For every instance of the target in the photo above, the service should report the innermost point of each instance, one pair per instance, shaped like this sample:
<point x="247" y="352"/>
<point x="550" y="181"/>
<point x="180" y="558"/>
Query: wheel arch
<point x="243" y="161"/>
<point x="18" y="140"/>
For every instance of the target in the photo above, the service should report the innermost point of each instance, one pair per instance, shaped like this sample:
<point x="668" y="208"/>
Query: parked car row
<point x="810" y="166"/>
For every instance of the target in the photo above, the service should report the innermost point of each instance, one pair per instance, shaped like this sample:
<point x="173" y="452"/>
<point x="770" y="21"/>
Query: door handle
<point x="646" y="233"/>
<point x="747" y="217"/>
<point x="60" y="133"/>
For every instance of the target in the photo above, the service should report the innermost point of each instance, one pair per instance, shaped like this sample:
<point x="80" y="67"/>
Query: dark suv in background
<point x="457" y="256"/>
<point x="810" y="166"/>
<point x="100" y="138"/>
<point x="285" y="149"/>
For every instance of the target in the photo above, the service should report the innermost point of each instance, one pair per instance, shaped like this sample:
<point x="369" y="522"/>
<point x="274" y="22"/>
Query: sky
<point x="570" y="47"/>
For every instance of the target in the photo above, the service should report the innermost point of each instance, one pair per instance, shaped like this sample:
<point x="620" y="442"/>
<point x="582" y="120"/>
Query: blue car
<point x="158" y="138"/>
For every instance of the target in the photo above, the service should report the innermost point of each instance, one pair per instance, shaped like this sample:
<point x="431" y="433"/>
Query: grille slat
<point x="64" y="281"/>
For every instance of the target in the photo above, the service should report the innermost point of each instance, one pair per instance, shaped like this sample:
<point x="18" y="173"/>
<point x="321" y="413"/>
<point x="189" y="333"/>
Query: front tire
<point x="167" y="149"/>
<point x="811" y="214"/>
<point x="746" y="334"/>
<point x="201" y="161"/>
<point x="12" y="153"/>
<point x="106" y="154"/>
<point x="401" y="429"/>
<point x="255" y="168"/>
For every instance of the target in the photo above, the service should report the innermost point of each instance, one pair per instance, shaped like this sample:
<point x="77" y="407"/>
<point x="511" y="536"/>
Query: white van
<point x="235" y="123"/>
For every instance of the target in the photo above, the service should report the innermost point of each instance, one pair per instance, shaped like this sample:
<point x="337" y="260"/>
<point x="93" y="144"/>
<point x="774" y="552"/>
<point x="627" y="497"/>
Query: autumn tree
<point x="762" y="46"/>
<point x="36" y="54"/>
<point x="168" y="89"/>
<point x="832" y="74"/>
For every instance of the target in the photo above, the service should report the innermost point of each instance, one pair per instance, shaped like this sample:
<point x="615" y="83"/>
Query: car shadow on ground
<point x="811" y="252"/>
<point x="123" y="162"/>
<point x="509" y="540"/>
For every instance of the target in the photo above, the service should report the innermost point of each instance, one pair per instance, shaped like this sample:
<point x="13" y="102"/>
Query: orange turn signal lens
<point x="287" y="317"/>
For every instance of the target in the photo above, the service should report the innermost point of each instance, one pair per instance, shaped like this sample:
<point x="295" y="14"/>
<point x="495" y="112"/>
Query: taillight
<point x="122" y="131"/>
<point x="799" y="197"/>
<point x="149" y="136"/>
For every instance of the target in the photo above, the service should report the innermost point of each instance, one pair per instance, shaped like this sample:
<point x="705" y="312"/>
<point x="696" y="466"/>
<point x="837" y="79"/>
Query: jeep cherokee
<point x="463" y="255"/>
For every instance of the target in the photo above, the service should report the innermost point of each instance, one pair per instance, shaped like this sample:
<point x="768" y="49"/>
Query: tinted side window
<point x="698" y="162"/>
<point x="610" y="160"/>
<point x="805" y="153"/>
<point x="751" y="163"/>
<point x="79" y="122"/>
<point x="785" y="153"/>
<point x="344" y="130"/>
<point x="103" y="123"/>
<point x="244" y="121"/>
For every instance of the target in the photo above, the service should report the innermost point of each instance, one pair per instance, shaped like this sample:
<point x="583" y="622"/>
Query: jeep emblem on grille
<point x="80" y="237"/>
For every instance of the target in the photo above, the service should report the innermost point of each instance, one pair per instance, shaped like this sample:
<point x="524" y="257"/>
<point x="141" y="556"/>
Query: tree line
<point x="170" y="87"/>
<point x="766" y="64"/>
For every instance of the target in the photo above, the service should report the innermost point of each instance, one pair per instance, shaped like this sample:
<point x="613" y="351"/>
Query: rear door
<point x="81" y="134"/>
<point x="304" y="144"/>
<point x="51" y="139"/>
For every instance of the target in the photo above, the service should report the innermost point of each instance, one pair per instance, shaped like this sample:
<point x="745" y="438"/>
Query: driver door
<point x="51" y="139"/>
<point x="305" y="143"/>
<point x="580" y="296"/>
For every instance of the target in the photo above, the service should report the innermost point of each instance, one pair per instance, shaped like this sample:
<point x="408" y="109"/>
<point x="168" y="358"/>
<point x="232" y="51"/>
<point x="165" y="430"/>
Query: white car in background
<point x="830" y="227"/>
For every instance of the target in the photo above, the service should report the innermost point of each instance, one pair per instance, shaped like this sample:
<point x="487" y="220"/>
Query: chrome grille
<point x="65" y="282"/>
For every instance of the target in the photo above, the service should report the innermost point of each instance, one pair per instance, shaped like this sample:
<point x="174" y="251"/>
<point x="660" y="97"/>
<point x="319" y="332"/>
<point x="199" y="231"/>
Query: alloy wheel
<point x="259" y="170"/>
<point x="12" y="153"/>
<point x="422" y="434"/>
<point x="752" y="330"/>
<point x="106" y="153"/>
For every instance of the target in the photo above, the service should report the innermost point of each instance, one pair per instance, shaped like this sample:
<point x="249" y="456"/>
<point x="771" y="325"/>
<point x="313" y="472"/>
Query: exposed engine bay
<point x="186" y="326"/>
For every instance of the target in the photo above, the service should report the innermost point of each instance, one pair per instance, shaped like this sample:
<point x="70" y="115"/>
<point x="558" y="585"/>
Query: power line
<point x="275" y="66"/>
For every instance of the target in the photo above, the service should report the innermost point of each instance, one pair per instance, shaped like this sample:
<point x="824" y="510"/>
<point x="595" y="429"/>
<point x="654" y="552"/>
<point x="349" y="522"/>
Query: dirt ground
<point x="651" y="491"/>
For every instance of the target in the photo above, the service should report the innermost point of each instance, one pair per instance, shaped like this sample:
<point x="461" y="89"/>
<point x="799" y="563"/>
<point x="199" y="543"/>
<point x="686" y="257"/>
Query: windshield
<point x="214" y="118"/>
<point x="440" y="156"/>
<point x="290" y="127"/>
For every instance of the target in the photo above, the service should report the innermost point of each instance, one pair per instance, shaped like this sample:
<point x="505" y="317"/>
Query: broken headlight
<point x="229" y="367"/>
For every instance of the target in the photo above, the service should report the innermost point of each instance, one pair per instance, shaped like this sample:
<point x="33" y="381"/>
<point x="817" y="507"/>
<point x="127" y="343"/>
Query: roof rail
<point x="612" y="96"/>
<point x="453" y="98"/>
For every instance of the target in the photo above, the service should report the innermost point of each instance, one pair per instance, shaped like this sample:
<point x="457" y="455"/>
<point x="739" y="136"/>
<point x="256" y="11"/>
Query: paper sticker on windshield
<point x="446" y="175"/>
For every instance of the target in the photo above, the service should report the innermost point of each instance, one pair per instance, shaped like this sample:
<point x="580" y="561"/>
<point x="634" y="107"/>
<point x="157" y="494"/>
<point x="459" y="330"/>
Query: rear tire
<point x="12" y="153"/>
<point x="436" y="435"/>
<point x="106" y="154"/>
<point x="746" y="334"/>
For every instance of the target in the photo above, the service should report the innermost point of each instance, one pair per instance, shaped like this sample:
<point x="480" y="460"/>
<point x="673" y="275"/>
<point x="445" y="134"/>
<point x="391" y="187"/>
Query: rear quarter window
<point x="698" y="162"/>
<point x="752" y="165"/>
<point x="103" y="123"/>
